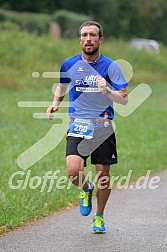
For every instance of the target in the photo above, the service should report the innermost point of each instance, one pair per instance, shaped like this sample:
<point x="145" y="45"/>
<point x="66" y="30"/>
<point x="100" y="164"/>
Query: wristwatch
<point x="108" y="90"/>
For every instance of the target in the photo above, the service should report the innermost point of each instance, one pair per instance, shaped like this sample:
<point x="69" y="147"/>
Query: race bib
<point x="82" y="128"/>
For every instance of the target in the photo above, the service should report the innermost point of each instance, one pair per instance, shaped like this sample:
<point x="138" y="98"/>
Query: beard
<point x="91" y="52"/>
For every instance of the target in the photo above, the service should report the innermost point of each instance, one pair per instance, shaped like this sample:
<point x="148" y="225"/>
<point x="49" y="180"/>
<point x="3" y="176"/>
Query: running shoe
<point x="98" y="226"/>
<point x="86" y="200"/>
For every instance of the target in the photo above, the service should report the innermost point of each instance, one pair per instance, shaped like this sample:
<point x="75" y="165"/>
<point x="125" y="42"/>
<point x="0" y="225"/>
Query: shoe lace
<point x="98" y="221"/>
<point x="85" y="196"/>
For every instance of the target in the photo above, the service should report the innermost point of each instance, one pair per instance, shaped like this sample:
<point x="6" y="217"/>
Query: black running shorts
<point x="101" y="148"/>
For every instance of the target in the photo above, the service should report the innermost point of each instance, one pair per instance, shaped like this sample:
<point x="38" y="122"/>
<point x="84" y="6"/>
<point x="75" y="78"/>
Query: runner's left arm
<point x="118" y="96"/>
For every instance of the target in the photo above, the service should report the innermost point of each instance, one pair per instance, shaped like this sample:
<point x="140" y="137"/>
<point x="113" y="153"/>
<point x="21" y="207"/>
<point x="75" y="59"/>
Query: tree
<point x="120" y="18"/>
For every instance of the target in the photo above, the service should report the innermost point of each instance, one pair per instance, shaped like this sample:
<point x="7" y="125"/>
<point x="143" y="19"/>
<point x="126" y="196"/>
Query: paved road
<point x="136" y="220"/>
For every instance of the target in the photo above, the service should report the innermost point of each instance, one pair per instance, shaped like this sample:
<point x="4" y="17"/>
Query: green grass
<point x="140" y="137"/>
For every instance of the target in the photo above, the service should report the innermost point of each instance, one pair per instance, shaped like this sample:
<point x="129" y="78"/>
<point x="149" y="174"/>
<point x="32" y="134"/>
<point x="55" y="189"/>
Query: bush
<point x="38" y="23"/>
<point x="69" y="22"/>
<point x="2" y="15"/>
<point x="7" y="25"/>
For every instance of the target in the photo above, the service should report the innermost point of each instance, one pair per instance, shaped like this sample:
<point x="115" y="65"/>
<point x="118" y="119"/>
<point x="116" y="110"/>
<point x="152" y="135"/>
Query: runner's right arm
<point x="58" y="97"/>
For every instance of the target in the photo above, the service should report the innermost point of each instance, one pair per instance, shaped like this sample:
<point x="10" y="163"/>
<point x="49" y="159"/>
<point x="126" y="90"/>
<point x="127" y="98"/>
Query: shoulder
<point x="112" y="64"/>
<point x="72" y="60"/>
<point x="106" y="59"/>
<point x="69" y="62"/>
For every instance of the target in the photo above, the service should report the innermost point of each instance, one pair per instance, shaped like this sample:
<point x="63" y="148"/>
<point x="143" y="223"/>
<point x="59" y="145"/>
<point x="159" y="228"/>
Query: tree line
<point x="120" y="18"/>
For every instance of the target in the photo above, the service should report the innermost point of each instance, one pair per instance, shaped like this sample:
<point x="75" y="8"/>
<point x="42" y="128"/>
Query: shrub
<point x="69" y="22"/>
<point x="38" y="23"/>
<point x="2" y="15"/>
<point x="8" y="25"/>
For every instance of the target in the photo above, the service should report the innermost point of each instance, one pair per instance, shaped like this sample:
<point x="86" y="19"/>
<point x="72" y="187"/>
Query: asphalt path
<point x="136" y="220"/>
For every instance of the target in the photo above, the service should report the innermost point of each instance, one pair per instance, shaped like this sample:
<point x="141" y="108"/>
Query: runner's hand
<point x="101" y="83"/>
<point x="51" y="109"/>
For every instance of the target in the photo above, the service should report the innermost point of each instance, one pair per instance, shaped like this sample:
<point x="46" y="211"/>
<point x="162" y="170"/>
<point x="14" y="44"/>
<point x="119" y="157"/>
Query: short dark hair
<point x="89" y="23"/>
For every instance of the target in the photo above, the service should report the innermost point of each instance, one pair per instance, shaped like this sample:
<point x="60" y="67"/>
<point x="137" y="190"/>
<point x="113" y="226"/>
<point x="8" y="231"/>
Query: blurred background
<point x="121" y="18"/>
<point x="36" y="36"/>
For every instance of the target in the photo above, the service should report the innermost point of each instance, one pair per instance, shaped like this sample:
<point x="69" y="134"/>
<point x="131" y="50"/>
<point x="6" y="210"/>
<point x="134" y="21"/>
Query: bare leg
<point x="103" y="191"/>
<point x="75" y="167"/>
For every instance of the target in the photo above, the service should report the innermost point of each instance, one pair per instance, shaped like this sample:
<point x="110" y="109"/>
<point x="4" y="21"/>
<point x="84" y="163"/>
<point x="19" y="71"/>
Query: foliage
<point x="69" y="22"/>
<point x="121" y="18"/>
<point x="38" y="23"/>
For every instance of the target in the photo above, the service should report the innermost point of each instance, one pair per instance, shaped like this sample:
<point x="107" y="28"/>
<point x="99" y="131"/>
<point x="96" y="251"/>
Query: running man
<point x="95" y="82"/>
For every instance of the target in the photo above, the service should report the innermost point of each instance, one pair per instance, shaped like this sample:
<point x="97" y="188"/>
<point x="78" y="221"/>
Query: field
<point x="140" y="136"/>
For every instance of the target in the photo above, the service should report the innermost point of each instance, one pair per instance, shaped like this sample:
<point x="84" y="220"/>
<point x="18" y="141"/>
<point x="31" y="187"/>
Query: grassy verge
<point x="140" y="140"/>
<point x="140" y="136"/>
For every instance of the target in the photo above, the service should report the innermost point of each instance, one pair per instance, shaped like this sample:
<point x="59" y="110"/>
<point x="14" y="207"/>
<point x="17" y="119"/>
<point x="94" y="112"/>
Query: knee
<point x="74" y="166"/>
<point x="72" y="172"/>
